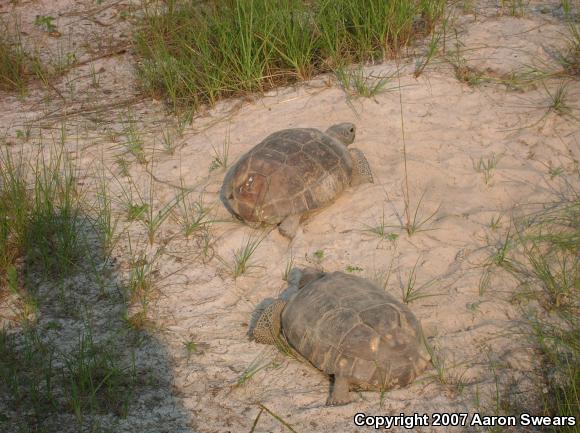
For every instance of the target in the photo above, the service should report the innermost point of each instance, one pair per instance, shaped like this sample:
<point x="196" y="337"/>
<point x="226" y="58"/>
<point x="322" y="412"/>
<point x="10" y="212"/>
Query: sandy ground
<point x="448" y="127"/>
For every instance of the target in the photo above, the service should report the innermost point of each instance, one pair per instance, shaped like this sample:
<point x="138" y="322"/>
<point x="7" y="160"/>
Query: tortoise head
<point x="343" y="132"/>
<point x="246" y="195"/>
<point x="301" y="277"/>
<point x="269" y="323"/>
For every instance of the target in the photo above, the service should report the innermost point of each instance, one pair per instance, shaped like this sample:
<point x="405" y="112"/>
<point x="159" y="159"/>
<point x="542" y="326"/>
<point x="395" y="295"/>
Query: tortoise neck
<point x="337" y="136"/>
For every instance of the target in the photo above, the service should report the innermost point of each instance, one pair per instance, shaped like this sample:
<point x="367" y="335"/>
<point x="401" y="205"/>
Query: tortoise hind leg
<point x="339" y="395"/>
<point x="361" y="171"/>
<point x="289" y="226"/>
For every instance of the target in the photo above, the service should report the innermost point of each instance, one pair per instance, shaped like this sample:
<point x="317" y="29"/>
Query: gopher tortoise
<point x="292" y="173"/>
<point x="347" y="327"/>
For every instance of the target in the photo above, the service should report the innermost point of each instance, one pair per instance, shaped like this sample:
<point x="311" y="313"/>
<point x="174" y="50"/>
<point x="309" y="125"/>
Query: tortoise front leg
<point x="361" y="170"/>
<point x="339" y="394"/>
<point x="289" y="226"/>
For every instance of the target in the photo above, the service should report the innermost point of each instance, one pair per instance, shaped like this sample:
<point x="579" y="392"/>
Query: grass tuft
<point x="51" y="235"/>
<point x="356" y="83"/>
<point x="96" y="380"/>
<point x="194" y="54"/>
<point x="221" y="156"/>
<point x="570" y="60"/>
<point x="558" y="100"/>
<point x="381" y="229"/>
<point x="486" y="166"/>
<point x="194" y="216"/>
<point x="415" y="223"/>
<point x="514" y="8"/>
<point x="243" y="254"/>
<point x="412" y="293"/>
<point x="42" y="213"/>
<point x="540" y="251"/>
<point x="17" y="65"/>
<point x="433" y="46"/>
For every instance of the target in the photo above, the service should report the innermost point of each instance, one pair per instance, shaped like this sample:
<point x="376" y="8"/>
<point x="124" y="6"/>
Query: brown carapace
<point x="291" y="173"/>
<point x="346" y="327"/>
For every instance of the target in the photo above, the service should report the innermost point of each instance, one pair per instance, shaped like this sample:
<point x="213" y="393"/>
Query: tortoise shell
<point x="345" y="325"/>
<point x="290" y="172"/>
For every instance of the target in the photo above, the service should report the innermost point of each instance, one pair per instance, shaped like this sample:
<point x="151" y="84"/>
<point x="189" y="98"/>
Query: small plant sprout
<point x="17" y="64"/>
<point x="382" y="277"/>
<point x="570" y="58"/>
<point x="351" y="269"/>
<point x="499" y="257"/>
<point x="95" y="79"/>
<point x="315" y="258"/>
<point x="12" y="279"/>
<point x="432" y="49"/>
<point x="438" y="362"/>
<point x="243" y="254"/>
<point x="140" y="282"/>
<point x="473" y="306"/>
<point x="414" y="223"/>
<point x="356" y="82"/>
<point x="145" y="210"/>
<point x="168" y="139"/>
<point x="221" y="156"/>
<point x="443" y="371"/>
<point x="514" y="8"/>
<point x="486" y="166"/>
<point x="155" y="218"/>
<point x="25" y="133"/>
<point x="255" y="366"/>
<point x="137" y="212"/>
<point x="381" y="230"/>
<point x="469" y="6"/>
<point x="558" y="99"/>
<point x="134" y="142"/>
<point x="555" y="171"/>
<point x="205" y="244"/>
<point x="106" y="222"/>
<point x="190" y="348"/>
<point x="193" y="216"/>
<point x="463" y="72"/>
<point x="485" y="281"/>
<point x="495" y="222"/>
<point x="193" y="348"/>
<point x="123" y="166"/>
<point x="566" y="7"/>
<point x="412" y="293"/>
<point x="46" y="22"/>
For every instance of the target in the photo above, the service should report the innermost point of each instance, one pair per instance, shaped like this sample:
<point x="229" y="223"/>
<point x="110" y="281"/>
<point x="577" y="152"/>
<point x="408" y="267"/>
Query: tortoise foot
<point x="340" y="394"/>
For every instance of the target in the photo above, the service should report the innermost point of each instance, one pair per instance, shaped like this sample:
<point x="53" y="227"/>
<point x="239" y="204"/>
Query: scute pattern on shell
<point x="346" y="325"/>
<point x="292" y="171"/>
